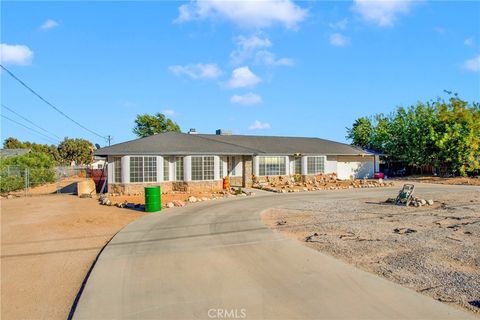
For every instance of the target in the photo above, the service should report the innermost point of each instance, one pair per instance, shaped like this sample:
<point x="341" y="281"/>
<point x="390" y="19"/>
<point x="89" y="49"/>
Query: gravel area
<point x="432" y="249"/>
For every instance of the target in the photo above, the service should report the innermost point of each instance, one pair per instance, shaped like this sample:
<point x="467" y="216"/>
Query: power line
<point x="50" y="104"/>
<point x="31" y="129"/>
<point x="31" y="122"/>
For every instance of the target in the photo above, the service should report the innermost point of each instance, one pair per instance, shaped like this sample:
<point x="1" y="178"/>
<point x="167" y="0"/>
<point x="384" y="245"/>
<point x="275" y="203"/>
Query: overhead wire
<point x="51" y="104"/>
<point x="31" y="129"/>
<point x="29" y="121"/>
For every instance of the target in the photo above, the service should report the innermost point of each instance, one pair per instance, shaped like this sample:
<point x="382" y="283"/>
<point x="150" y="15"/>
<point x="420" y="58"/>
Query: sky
<point x="306" y="68"/>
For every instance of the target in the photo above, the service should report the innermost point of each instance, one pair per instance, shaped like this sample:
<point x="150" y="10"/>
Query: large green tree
<point x="443" y="133"/>
<point x="147" y="125"/>
<point x="360" y="132"/>
<point x="78" y="150"/>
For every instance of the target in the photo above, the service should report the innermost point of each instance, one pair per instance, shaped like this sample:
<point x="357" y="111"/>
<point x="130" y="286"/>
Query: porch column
<point x="159" y="169"/>
<point x="216" y="168"/>
<point x="247" y="168"/>
<point x="125" y="169"/>
<point x="187" y="168"/>
<point x="304" y="165"/>
<point x="287" y="166"/>
<point x="110" y="169"/>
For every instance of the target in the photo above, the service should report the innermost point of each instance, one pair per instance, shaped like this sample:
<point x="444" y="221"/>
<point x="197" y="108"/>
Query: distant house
<point x="5" y="153"/>
<point x="98" y="164"/>
<point x="199" y="162"/>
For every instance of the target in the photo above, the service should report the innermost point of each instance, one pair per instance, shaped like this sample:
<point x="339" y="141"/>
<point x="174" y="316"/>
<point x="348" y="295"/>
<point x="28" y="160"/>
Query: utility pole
<point x="109" y="139"/>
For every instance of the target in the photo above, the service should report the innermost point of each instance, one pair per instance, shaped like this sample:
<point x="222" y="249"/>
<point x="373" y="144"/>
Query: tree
<point x="13" y="143"/>
<point x="147" y="125"/>
<point x="78" y="150"/>
<point x="40" y="170"/>
<point x="443" y="134"/>
<point x="360" y="132"/>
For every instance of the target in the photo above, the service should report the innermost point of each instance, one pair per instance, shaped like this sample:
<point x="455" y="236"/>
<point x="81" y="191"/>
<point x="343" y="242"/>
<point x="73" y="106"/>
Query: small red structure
<point x="378" y="175"/>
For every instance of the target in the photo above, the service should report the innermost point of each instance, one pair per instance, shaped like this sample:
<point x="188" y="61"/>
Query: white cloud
<point x="338" y="40"/>
<point x="254" y="47"/>
<point x="258" y="125"/>
<point x="246" y="99"/>
<point x="169" y="112"/>
<point x="382" y="12"/>
<point x="249" y="13"/>
<point x="243" y="77"/>
<point x="341" y="24"/>
<point x="197" y="71"/>
<point x="246" y="47"/>
<point x="469" y="42"/>
<point x="267" y="58"/>
<point x="15" y="54"/>
<point x="49" y="24"/>
<point x="472" y="64"/>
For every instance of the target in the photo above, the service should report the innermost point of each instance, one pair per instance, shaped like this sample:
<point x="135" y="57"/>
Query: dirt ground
<point x="65" y="185"/>
<point x="439" y="180"/>
<point x="432" y="249"/>
<point x="48" y="244"/>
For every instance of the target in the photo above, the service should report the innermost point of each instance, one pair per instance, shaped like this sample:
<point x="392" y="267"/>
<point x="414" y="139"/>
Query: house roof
<point x="13" y="152"/>
<point x="171" y="143"/>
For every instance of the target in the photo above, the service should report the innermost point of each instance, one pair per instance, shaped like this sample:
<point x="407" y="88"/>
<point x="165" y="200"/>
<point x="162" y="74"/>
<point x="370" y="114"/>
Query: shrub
<point x="39" y="165"/>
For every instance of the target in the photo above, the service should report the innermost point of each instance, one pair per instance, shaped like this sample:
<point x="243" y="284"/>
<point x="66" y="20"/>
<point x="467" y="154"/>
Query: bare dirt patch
<point x="48" y="243"/>
<point x="434" y="250"/>
<point x="453" y="180"/>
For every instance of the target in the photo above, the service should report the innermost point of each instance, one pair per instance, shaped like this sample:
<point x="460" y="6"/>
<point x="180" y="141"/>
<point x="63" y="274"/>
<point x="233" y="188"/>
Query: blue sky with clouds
<point x="256" y="67"/>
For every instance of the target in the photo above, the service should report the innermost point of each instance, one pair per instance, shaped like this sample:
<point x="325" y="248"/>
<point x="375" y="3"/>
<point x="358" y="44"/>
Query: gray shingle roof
<point x="4" y="153"/>
<point x="171" y="143"/>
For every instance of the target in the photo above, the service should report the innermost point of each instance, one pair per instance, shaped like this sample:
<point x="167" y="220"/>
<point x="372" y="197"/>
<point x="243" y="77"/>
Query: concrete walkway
<point x="216" y="260"/>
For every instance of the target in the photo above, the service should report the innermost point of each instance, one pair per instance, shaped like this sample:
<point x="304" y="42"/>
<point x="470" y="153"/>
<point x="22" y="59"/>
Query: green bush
<point x="39" y="165"/>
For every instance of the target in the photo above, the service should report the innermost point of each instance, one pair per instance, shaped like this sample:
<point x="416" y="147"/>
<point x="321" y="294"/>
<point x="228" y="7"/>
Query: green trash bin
<point x="153" y="199"/>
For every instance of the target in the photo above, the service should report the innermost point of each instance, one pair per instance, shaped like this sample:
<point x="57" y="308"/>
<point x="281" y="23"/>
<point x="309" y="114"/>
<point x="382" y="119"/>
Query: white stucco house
<point x="199" y="162"/>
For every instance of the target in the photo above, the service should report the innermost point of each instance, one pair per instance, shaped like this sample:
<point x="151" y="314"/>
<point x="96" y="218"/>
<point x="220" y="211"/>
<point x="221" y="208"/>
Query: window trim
<point x="143" y="169"/>
<point x="203" y="168"/>
<point x="182" y="159"/>
<point x="115" y="161"/>
<point x="283" y="172"/>
<point x="324" y="158"/>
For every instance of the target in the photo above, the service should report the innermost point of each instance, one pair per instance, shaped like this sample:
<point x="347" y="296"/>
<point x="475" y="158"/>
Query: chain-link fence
<point x="26" y="181"/>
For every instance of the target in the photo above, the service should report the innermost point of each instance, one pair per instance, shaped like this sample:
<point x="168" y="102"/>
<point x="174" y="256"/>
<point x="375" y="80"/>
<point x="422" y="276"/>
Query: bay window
<point x="315" y="165"/>
<point x="143" y="169"/>
<point x="202" y="168"/>
<point x="271" y="166"/>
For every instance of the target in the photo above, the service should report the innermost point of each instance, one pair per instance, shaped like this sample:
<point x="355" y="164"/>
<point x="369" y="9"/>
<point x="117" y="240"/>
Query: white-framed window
<point x="297" y="165"/>
<point x="271" y="166"/>
<point x="202" y="168"/>
<point x="179" y="169"/>
<point x="315" y="165"/>
<point x="166" y="168"/>
<point x="143" y="169"/>
<point x="117" y="169"/>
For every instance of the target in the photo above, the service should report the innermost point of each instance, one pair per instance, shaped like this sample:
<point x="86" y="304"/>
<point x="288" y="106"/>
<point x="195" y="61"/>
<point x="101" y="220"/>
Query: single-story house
<point x="199" y="162"/>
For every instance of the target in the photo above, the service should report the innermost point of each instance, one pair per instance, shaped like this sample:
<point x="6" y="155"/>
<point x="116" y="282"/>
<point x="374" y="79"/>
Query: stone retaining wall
<point x="190" y="186"/>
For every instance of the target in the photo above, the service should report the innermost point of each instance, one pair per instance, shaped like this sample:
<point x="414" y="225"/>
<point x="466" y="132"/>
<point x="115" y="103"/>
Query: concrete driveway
<point x="216" y="260"/>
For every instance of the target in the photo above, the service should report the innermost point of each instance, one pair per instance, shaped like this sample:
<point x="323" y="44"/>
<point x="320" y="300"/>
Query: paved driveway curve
<point x="217" y="260"/>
